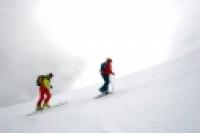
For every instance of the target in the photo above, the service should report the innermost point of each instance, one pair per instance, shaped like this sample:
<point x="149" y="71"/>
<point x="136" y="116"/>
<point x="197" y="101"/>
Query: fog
<point x="25" y="53"/>
<point x="135" y="37"/>
<point x="187" y="35"/>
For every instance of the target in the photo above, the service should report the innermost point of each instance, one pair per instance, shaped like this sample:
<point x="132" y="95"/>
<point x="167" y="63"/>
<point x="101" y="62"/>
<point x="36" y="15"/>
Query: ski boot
<point x="46" y="105"/>
<point x="39" y="108"/>
<point x="105" y="93"/>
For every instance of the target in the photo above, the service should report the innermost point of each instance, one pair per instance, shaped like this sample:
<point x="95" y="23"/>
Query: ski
<point x="102" y="95"/>
<point x="45" y="109"/>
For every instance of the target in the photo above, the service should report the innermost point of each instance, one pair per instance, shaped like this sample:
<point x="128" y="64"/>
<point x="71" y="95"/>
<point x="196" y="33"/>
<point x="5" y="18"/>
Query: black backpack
<point x="102" y="68"/>
<point x="39" y="80"/>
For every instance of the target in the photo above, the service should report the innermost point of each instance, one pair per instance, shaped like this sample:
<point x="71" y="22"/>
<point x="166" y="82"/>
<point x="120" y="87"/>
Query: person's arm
<point x="110" y="69"/>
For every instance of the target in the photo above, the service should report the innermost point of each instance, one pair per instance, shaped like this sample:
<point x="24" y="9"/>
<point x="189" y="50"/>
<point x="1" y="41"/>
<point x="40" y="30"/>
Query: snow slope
<point x="163" y="99"/>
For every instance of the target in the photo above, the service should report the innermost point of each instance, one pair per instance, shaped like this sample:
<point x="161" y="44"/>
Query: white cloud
<point x="136" y="34"/>
<point x="26" y="53"/>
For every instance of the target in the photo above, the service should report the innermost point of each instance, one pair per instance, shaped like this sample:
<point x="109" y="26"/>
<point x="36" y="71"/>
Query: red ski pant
<point x="44" y="96"/>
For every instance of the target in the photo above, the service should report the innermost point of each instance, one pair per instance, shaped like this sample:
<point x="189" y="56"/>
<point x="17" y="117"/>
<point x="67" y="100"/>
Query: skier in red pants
<point x="44" y="81"/>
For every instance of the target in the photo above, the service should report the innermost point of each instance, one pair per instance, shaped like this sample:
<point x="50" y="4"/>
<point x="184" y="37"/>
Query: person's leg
<point x="106" y="84"/>
<point x="104" y="88"/>
<point x="48" y="96"/>
<point x="41" y="98"/>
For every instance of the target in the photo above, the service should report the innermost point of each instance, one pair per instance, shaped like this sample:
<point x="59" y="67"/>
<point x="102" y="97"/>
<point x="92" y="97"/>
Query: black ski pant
<point x="105" y="86"/>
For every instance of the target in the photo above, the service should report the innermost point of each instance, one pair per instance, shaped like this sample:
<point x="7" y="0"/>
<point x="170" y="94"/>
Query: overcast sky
<point x="25" y="52"/>
<point x="136" y="34"/>
<point x="72" y="38"/>
<point x="187" y="30"/>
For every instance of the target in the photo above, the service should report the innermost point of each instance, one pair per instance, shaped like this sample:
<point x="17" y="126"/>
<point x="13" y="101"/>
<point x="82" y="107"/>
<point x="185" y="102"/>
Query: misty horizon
<point x="28" y="50"/>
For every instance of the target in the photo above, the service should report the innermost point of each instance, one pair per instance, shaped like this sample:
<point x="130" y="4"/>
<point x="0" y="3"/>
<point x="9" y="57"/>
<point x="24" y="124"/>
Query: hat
<point x="109" y="60"/>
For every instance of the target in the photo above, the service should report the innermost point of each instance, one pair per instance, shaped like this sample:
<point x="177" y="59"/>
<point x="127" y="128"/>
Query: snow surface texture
<point x="163" y="99"/>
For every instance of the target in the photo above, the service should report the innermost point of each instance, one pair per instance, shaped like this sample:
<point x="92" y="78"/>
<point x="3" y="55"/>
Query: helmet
<point x="50" y="74"/>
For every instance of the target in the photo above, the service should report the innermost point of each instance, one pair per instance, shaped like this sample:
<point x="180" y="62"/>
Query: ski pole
<point x="113" y="83"/>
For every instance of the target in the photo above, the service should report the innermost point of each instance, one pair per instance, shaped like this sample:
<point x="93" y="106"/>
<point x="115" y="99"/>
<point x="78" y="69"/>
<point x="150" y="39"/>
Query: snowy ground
<point x="163" y="99"/>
